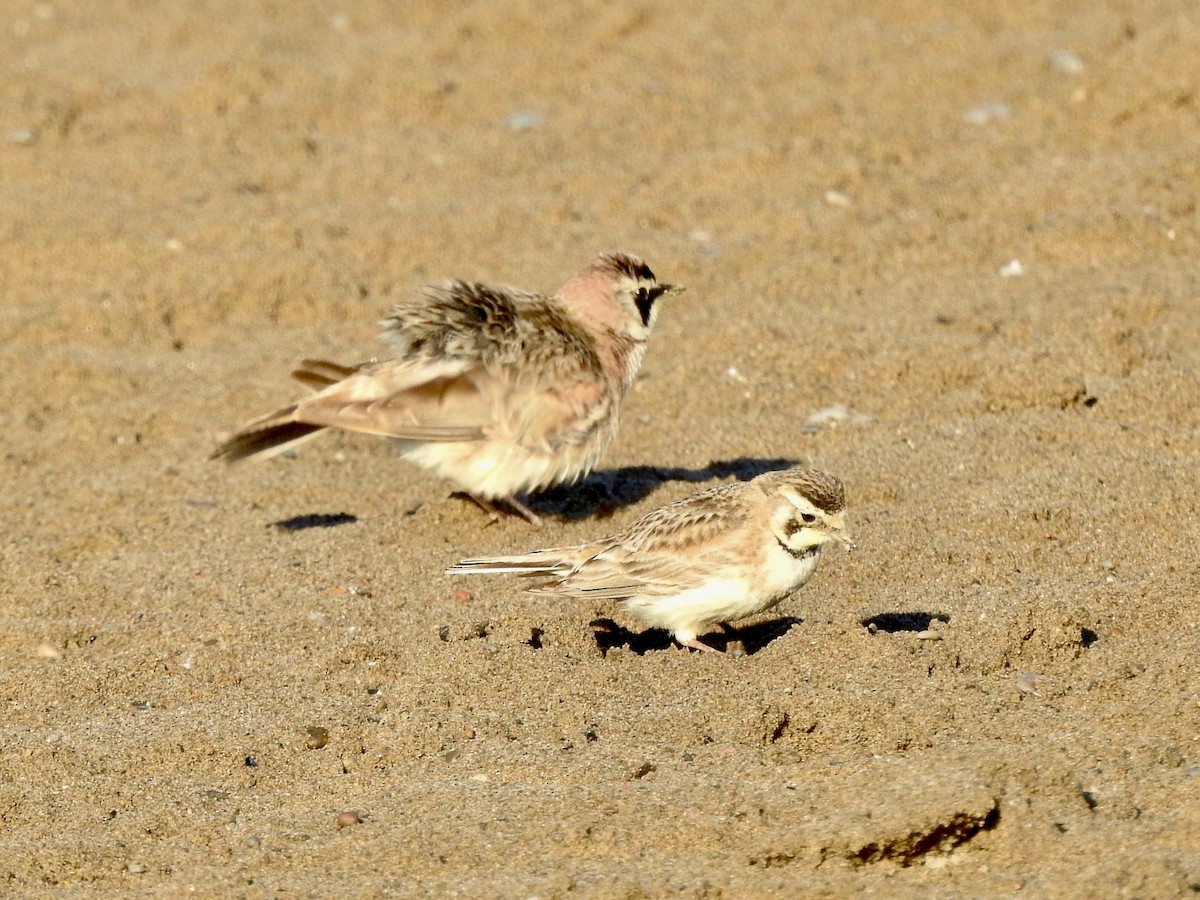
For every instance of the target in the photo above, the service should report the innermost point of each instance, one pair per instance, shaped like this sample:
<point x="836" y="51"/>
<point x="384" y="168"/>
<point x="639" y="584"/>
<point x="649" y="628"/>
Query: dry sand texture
<point x="997" y="693"/>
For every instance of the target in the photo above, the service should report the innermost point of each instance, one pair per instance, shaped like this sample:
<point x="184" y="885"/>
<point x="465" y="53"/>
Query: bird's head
<point x="808" y="509"/>
<point x="619" y="292"/>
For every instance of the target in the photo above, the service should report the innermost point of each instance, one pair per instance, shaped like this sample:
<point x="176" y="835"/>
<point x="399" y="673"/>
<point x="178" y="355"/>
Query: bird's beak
<point x="664" y="289"/>
<point x="846" y="541"/>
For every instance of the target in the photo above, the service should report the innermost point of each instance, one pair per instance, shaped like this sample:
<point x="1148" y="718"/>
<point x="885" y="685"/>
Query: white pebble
<point x="837" y="198"/>
<point x="838" y="414"/>
<point x="1066" y="61"/>
<point x="523" y="121"/>
<point x="1027" y="683"/>
<point x="985" y="113"/>
<point x="1012" y="269"/>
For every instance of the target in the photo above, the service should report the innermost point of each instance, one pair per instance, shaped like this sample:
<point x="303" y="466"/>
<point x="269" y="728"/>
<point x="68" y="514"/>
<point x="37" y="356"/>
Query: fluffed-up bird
<point x="501" y="391"/>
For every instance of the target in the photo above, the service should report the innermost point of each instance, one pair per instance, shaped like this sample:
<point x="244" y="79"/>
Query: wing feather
<point x="665" y="551"/>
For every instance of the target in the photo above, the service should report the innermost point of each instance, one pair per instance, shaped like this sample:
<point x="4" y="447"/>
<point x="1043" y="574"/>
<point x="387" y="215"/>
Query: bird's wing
<point x="412" y="400"/>
<point x="524" y="369"/>
<point x="672" y="548"/>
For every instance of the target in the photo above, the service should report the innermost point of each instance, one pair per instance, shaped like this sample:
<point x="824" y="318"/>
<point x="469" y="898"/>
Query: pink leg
<point x="493" y="508"/>
<point x="525" y="512"/>
<point x="696" y="645"/>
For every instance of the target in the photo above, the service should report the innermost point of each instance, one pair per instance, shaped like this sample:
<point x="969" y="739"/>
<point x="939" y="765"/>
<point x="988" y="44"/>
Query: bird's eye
<point x="807" y="518"/>
<point x="644" y="303"/>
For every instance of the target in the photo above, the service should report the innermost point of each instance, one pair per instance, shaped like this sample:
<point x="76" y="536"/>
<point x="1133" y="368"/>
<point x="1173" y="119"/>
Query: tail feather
<point x="268" y="436"/>
<point x="528" y="564"/>
<point x="319" y="373"/>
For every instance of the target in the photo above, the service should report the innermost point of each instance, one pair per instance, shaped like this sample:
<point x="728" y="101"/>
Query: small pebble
<point x="135" y="868"/>
<point x="986" y="113"/>
<point x="838" y="414"/>
<point x="317" y="738"/>
<point x="1095" y="389"/>
<point x="523" y="121"/>
<point x="462" y="595"/>
<point x="253" y="841"/>
<point x="46" y="650"/>
<point x="837" y="198"/>
<point x="444" y="633"/>
<point x="349" y="817"/>
<point x="1066" y="61"/>
<point x="24" y="136"/>
<point x="1012" y="269"/>
<point x="1027" y="683"/>
<point x="928" y="636"/>
<point x="643" y="770"/>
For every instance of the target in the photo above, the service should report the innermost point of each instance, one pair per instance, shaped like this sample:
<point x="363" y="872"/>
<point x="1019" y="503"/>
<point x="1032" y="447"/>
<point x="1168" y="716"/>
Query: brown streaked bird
<point x="714" y="557"/>
<point x="500" y="391"/>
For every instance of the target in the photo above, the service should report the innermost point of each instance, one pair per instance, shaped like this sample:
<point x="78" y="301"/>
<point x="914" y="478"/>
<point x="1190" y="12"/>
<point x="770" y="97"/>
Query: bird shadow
<point x="315" y="520"/>
<point x="891" y="622"/>
<point x="605" y="491"/>
<point x="753" y="638"/>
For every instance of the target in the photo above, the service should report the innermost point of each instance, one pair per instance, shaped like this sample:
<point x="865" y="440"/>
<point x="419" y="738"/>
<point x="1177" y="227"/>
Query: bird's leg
<point x="524" y="511"/>
<point x="493" y="513"/>
<point x="493" y="509"/>
<point x="696" y="645"/>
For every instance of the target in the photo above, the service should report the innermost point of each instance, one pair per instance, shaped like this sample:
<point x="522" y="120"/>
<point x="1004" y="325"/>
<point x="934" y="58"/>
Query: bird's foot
<point x="697" y="645"/>
<point x="494" y="508"/>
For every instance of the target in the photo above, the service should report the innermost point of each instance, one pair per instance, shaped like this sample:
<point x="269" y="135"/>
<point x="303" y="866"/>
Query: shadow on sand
<point x="753" y="638"/>
<point x="604" y="492"/>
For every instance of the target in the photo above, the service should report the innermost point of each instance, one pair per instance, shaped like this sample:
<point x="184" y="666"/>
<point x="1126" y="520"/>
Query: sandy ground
<point x="996" y="694"/>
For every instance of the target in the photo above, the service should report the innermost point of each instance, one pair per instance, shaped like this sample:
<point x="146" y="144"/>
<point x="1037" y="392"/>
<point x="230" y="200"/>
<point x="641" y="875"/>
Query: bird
<point x="499" y="390"/>
<point x="711" y="558"/>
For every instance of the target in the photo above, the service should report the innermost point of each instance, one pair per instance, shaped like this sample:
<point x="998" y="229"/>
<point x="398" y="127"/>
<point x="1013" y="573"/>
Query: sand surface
<point x="973" y="224"/>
